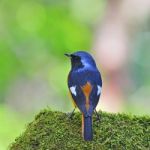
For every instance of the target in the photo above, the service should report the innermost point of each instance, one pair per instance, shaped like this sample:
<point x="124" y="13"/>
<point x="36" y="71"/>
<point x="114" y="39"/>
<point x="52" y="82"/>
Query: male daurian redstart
<point x="85" y="84"/>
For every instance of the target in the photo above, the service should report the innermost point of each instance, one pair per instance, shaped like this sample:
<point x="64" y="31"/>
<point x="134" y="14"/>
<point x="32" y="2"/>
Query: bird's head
<point x="81" y="59"/>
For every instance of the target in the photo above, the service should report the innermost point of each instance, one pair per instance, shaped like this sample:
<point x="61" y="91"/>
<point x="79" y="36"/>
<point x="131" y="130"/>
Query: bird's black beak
<point x="68" y="55"/>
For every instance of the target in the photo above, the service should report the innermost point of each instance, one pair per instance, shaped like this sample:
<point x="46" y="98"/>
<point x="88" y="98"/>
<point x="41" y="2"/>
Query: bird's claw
<point x="71" y="114"/>
<point x="98" y="118"/>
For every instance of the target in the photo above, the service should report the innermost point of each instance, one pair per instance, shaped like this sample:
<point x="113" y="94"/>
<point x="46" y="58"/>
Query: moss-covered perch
<point x="54" y="131"/>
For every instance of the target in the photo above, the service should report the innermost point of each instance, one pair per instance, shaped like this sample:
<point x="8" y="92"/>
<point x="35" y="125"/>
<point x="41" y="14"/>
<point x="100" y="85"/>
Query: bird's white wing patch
<point x="73" y="90"/>
<point x="99" y="89"/>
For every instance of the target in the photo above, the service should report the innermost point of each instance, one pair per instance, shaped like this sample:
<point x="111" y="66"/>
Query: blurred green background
<point x="34" y="35"/>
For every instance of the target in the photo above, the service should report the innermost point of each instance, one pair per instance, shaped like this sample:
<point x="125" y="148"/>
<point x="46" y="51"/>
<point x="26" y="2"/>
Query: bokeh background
<point x="35" y="34"/>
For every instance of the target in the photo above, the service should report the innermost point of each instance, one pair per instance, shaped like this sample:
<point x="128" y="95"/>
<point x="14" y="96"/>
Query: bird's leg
<point x="98" y="118"/>
<point x="70" y="115"/>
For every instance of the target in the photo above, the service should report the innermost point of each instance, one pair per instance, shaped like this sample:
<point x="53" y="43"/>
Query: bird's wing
<point x="78" y="96"/>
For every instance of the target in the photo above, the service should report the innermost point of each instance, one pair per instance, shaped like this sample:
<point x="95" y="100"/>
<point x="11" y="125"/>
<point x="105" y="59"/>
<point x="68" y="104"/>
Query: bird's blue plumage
<point x="80" y="79"/>
<point x="85" y="78"/>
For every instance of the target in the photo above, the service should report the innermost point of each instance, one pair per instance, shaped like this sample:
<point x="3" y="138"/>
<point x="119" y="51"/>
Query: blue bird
<point x="85" y="84"/>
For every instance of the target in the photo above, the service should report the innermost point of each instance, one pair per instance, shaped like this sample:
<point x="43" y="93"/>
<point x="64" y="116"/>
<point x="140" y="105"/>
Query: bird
<point x="85" y="86"/>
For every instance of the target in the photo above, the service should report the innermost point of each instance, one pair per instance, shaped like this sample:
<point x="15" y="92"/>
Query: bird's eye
<point x="75" y="57"/>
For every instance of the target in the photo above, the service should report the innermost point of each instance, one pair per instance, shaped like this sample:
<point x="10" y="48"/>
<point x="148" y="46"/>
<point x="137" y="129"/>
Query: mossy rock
<point x="54" y="131"/>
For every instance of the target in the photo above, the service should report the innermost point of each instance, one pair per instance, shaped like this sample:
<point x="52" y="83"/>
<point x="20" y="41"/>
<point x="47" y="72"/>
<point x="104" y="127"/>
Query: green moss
<point x="54" y="131"/>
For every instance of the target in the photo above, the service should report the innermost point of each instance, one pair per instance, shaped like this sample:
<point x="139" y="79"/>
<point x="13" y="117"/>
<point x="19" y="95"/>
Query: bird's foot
<point x="71" y="114"/>
<point x="98" y="118"/>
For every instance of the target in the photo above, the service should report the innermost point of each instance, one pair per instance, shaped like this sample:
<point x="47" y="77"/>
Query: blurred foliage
<point x="34" y="35"/>
<point x="11" y="125"/>
<point x="139" y="69"/>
